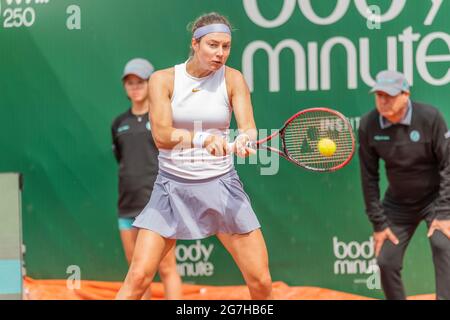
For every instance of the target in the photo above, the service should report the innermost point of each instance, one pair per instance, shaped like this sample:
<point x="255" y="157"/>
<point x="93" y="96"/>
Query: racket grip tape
<point x="249" y="144"/>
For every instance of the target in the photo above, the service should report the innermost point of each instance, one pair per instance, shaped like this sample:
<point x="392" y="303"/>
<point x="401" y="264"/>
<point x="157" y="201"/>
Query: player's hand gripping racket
<point x="317" y="139"/>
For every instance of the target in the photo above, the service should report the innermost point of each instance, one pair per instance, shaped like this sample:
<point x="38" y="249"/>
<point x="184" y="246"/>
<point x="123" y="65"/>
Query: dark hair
<point x="206" y="19"/>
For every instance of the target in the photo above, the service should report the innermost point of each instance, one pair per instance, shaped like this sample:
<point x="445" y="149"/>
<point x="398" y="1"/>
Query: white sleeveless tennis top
<point x="198" y="104"/>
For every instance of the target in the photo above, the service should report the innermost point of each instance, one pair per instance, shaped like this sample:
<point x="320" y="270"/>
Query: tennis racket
<point x="317" y="139"/>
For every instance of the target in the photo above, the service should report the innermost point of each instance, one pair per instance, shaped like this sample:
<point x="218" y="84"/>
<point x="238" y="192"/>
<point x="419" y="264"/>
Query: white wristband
<point x="199" y="138"/>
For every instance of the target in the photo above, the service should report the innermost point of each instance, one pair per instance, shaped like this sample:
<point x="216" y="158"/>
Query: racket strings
<point x="302" y="136"/>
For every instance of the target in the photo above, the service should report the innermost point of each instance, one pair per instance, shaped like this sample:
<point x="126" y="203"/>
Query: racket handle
<point x="249" y="144"/>
<point x="252" y="145"/>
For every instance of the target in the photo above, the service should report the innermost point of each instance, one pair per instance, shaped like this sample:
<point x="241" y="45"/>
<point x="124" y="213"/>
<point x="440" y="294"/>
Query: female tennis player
<point x="197" y="192"/>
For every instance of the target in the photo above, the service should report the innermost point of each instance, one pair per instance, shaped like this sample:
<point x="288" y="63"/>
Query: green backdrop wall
<point x="60" y="88"/>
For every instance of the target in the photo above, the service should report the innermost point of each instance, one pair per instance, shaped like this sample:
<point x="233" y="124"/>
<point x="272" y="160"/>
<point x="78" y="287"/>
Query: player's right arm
<point x="161" y="85"/>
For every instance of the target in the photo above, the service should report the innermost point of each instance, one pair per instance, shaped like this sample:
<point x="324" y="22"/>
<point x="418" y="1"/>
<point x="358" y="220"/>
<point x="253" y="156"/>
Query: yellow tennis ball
<point x="326" y="147"/>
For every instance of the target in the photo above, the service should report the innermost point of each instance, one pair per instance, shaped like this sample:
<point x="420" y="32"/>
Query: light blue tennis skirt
<point x="186" y="209"/>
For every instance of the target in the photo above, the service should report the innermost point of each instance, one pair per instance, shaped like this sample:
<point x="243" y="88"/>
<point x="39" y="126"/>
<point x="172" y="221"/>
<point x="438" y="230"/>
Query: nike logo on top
<point x="196" y="90"/>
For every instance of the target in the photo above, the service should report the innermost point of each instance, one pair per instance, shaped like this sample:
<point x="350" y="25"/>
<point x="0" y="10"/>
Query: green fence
<point x="61" y="63"/>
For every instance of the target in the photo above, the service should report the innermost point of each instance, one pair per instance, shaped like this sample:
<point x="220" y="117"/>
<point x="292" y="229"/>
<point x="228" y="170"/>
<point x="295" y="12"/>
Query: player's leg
<point x="390" y="261"/>
<point x="148" y="252"/>
<point x="440" y="246"/>
<point x="250" y="254"/>
<point x="128" y="234"/>
<point x="170" y="277"/>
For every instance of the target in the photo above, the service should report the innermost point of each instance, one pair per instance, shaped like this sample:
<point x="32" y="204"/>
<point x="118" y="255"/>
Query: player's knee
<point x="167" y="270"/>
<point x="262" y="283"/>
<point x="139" y="279"/>
<point x="168" y="266"/>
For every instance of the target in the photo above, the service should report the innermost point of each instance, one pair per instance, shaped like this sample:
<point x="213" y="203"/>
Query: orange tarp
<point x="98" y="290"/>
<point x="57" y="289"/>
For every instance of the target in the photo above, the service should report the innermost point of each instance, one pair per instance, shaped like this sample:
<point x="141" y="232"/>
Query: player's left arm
<point x="441" y="148"/>
<point x="240" y="101"/>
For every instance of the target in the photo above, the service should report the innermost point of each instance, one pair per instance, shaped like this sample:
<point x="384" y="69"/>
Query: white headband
<point x="210" y="28"/>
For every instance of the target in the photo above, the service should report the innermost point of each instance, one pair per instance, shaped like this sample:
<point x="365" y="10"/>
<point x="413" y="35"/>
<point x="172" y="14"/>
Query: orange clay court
<point x="299" y="147"/>
<point x="98" y="290"/>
